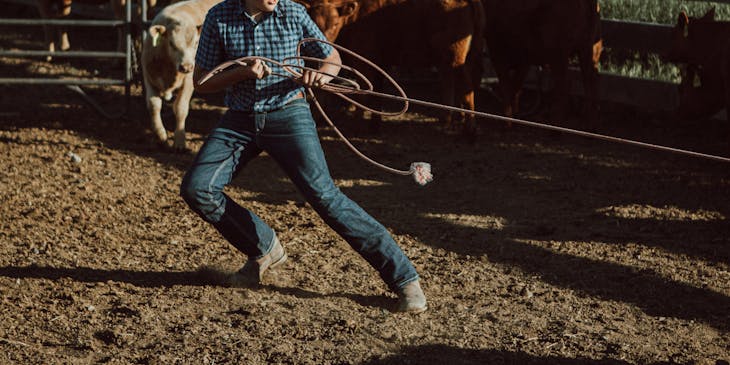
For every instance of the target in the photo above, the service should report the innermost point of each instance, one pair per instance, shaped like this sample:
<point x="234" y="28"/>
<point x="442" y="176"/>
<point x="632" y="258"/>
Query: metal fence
<point x="617" y="34"/>
<point x="74" y="84"/>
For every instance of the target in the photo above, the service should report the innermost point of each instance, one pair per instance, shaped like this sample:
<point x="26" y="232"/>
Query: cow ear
<point x="682" y="19"/>
<point x="710" y="15"/>
<point x="683" y="23"/>
<point x="350" y="8"/>
<point x="155" y="32"/>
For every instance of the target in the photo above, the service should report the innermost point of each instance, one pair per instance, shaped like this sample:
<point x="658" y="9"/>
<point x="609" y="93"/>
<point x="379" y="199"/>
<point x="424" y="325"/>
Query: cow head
<point x="331" y="15"/>
<point x="699" y="96"/>
<point x="683" y="40"/>
<point x="178" y="43"/>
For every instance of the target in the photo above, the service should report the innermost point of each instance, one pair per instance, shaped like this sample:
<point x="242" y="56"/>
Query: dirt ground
<point x="534" y="248"/>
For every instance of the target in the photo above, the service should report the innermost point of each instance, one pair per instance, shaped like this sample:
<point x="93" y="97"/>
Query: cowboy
<point x="269" y="113"/>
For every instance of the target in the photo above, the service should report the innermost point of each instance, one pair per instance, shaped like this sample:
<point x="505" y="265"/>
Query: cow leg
<point x="474" y="73"/>
<point x="65" y="11"/>
<point x="464" y="87"/>
<point x="518" y="79"/>
<point x="154" y="108"/>
<point x="726" y="82"/>
<point x="589" y="71"/>
<point x="65" y="45"/>
<point x="456" y="80"/>
<point x="512" y="90"/>
<point x="118" y="7"/>
<point x="447" y="74"/>
<point x="467" y="97"/>
<point x="49" y="32"/>
<point x="727" y="103"/>
<point x="505" y="82"/>
<point x="690" y="98"/>
<point x="558" y="110"/>
<point x="181" y="107"/>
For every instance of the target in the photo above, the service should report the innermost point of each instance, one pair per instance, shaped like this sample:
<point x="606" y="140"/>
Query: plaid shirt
<point x="229" y="33"/>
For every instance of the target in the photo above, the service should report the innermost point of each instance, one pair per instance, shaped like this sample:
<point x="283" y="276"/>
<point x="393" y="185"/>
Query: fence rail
<point x="641" y="37"/>
<point x="617" y="34"/>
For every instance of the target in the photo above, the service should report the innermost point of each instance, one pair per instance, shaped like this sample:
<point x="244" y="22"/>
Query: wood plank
<point x="650" y="95"/>
<point x="644" y="37"/>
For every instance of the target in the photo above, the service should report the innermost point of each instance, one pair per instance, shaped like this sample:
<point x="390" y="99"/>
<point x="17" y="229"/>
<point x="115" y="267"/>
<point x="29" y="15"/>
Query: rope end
<point x="421" y="172"/>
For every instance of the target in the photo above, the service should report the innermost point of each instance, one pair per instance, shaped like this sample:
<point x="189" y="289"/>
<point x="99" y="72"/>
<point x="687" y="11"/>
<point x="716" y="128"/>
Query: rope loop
<point x="294" y="68"/>
<point x="421" y="171"/>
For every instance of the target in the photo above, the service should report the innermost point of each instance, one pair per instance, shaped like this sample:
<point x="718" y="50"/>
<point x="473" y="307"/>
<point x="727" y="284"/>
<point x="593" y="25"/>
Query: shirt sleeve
<point x="210" y="50"/>
<point x="310" y="30"/>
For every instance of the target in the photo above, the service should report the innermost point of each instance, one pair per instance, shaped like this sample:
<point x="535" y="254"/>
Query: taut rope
<point x="420" y="170"/>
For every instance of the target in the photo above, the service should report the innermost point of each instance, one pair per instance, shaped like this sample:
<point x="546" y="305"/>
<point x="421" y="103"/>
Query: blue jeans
<point x="289" y="136"/>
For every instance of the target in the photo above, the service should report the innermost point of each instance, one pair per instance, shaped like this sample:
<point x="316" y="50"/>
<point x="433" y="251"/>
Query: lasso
<point x="421" y="171"/>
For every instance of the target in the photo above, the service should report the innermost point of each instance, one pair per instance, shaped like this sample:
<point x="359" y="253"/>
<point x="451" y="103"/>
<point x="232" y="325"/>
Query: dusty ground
<point x="534" y="248"/>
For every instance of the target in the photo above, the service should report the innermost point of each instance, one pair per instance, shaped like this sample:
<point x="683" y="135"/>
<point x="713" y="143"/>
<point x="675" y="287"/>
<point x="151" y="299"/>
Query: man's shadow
<point x="204" y="276"/>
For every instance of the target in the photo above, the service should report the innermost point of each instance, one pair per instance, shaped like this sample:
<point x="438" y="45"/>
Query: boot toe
<point x="411" y="298"/>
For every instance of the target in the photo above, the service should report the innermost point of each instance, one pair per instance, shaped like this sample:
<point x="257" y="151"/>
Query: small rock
<point x="74" y="157"/>
<point x="526" y="292"/>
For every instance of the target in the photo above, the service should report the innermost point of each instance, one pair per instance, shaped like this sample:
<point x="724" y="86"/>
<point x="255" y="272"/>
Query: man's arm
<point x="228" y="77"/>
<point x="257" y="70"/>
<point x="330" y="66"/>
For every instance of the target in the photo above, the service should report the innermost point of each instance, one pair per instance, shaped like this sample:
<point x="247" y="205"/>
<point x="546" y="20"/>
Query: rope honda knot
<point x="421" y="172"/>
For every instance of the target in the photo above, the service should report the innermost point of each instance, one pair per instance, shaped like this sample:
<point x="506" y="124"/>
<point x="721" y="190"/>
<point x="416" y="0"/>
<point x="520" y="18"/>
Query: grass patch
<point x="645" y="65"/>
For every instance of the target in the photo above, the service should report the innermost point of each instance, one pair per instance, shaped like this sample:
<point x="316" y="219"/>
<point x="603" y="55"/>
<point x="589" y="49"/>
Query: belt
<point x="294" y="98"/>
<point x="299" y="95"/>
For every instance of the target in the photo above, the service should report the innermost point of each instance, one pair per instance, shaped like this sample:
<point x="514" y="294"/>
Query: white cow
<point x="168" y="59"/>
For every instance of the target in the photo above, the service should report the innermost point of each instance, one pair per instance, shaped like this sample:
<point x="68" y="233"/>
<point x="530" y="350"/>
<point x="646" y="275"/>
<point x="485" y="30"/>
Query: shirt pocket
<point x="237" y="42"/>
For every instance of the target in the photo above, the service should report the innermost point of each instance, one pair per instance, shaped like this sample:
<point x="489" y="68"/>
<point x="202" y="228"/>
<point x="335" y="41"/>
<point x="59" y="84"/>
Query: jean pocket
<point x="299" y="102"/>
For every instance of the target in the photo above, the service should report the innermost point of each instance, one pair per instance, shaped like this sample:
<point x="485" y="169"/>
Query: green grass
<point x="647" y="65"/>
<point x="659" y="11"/>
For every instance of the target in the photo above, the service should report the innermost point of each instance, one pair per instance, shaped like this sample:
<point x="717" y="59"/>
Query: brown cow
<point x="544" y="32"/>
<point x="412" y="33"/>
<point x="703" y="46"/>
<point x="59" y="9"/>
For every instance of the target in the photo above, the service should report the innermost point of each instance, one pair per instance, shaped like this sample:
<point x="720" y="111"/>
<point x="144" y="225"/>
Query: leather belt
<point x="298" y="96"/>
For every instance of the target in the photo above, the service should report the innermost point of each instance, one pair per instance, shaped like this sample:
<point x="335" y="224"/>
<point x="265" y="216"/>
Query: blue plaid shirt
<point x="229" y="33"/>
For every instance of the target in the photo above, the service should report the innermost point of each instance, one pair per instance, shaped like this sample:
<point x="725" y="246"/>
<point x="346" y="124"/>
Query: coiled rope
<point x="421" y="171"/>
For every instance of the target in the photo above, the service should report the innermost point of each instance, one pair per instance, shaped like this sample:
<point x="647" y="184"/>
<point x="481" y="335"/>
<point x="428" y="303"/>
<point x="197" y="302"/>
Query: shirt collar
<point x="278" y="10"/>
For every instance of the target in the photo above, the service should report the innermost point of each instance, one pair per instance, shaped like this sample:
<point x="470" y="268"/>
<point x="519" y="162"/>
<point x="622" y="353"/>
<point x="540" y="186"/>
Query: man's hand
<point x="312" y="78"/>
<point x="327" y="70"/>
<point x="256" y="69"/>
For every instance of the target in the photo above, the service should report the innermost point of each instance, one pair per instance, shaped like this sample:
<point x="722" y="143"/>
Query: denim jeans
<point x="289" y="136"/>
